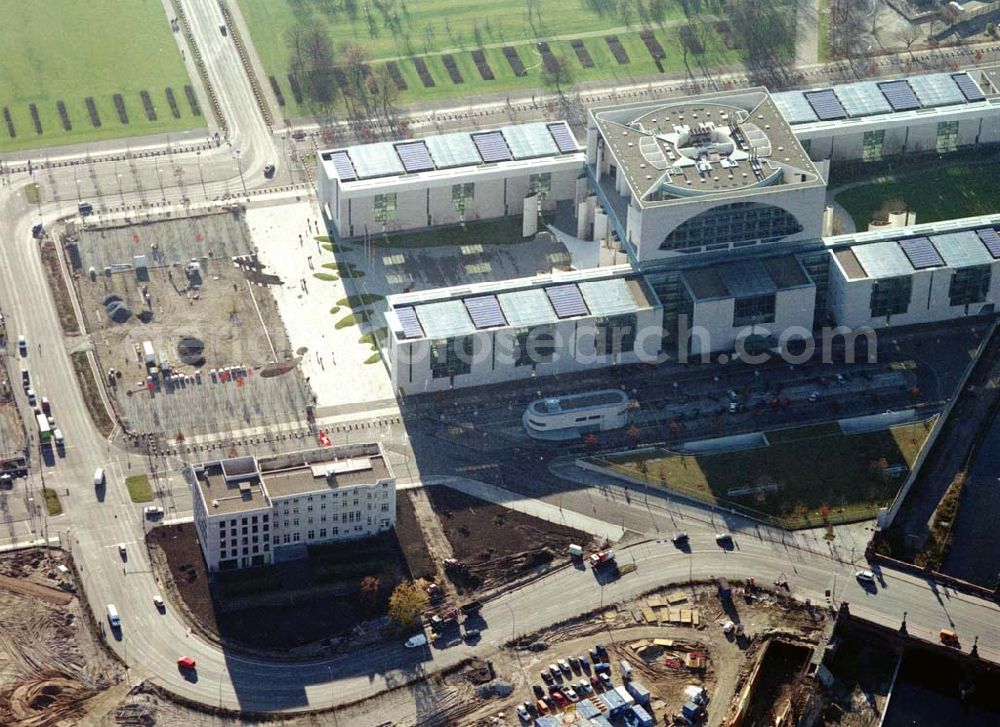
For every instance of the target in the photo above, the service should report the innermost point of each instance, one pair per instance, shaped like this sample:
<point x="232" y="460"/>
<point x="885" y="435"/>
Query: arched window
<point x="738" y="222"/>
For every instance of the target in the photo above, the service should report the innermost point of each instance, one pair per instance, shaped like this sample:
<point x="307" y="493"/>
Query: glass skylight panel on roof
<point x="567" y="301"/>
<point x="968" y="87"/>
<point x="794" y="107"/>
<point x="862" y="99"/>
<point x="992" y="241"/>
<point x="899" y="95"/>
<point x="563" y="137"/>
<point x="376" y="160"/>
<point x="492" y="147"/>
<point x="342" y="163"/>
<point x="921" y="253"/>
<point x="747" y="279"/>
<point x="529" y="307"/>
<point x="936" y="90"/>
<point x="608" y="297"/>
<point x="527" y="141"/>
<point x="883" y="259"/>
<point x="415" y="156"/>
<point x="453" y="150"/>
<point x="445" y="319"/>
<point x="826" y="105"/>
<point x="961" y="249"/>
<point x="485" y="311"/>
<point x="408" y="320"/>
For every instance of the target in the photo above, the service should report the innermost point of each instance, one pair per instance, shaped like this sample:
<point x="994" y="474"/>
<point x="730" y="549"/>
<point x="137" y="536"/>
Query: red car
<point x="186" y="662"/>
<point x="560" y="698"/>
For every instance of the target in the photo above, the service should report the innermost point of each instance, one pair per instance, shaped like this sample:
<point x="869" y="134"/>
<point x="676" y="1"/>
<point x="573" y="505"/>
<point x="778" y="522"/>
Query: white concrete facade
<point x="849" y="300"/>
<point x="319" y="496"/>
<point x="712" y="328"/>
<point x="904" y="133"/>
<point x="577" y="341"/>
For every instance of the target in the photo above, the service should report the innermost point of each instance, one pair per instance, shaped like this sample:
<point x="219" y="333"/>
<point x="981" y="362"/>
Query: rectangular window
<point x="451" y="356"/>
<point x="615" y="334"/>
<point x="970" y="285"/>
<point x="462" y="197"/>
<point x="384" y="207"/>
<point x="385" y="507"/>
<point x="891" y="296"/>
<point x="287" y="538"/>
<point x="322" y="532"/>
<point x="534" y="345"/>
<point x="871" y="145"/>
<point x="295" y="537"/>
<point x="541" y="184"/>
<point x="311" y="534"/>
<point x="947" y="136"/>
<point x="752" y="310"/>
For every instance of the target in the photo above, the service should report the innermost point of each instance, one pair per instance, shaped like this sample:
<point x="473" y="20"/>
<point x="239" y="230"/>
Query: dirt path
<point x="27" y="588"/>
<point x="437" y="541"/>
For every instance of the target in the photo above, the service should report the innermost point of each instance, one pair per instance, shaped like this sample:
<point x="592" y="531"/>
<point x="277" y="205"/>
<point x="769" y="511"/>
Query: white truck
<point x="148" y="353"/>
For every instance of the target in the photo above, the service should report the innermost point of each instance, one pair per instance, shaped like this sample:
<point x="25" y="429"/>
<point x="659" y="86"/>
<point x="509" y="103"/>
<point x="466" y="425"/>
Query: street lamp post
<point x="243" y="181"/>
<point x="201" y="175"/>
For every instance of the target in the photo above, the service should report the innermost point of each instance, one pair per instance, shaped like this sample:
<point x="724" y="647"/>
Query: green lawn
<point x="809" y="468"/>
<point x="66" y="50"/>
<point x="139" y="488"/>
<point x="561" y="23"/>
<point x="934" y="194"/>
<point x="52" y="504"/>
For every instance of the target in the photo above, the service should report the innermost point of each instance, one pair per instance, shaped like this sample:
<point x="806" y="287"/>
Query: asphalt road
<point x="95" y="523"/>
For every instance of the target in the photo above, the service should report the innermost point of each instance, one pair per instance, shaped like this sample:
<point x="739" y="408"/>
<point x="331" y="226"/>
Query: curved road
<point x="151" y="642"/>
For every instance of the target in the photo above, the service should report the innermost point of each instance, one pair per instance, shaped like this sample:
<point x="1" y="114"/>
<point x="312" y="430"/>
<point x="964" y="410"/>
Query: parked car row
<point x="567" y="681"/>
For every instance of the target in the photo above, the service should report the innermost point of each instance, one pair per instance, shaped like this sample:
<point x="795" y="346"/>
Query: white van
<point x="98" y="477"/>
<point x="113" y="618"/>
<point x="626" y="670"/>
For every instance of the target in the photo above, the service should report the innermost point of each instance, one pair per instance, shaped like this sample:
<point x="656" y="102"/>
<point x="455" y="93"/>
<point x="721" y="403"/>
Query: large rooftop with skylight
<point x="709" y="145"/>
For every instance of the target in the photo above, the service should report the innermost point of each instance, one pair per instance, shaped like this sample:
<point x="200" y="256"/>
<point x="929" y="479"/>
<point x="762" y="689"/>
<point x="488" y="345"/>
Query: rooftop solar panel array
<point x="992" y="241"/>
<point x="968" y="87"/>
<point x="342" y="163"/>
<point x="899" y="95"/>
<point x="492" y="147"/>
<point x="563" y="137"/>
<point x="826" y="105"/>
<point x="936" y="90"/>
<point x="485" y="311"/>
<point x="415" y="156"/>
<point x="408" y="320"/>
<point x="567" y="301"/>
<point x="921" y="253"/>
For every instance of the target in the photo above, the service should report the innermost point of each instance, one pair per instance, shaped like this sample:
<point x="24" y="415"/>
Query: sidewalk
<point x="530" y="506"/>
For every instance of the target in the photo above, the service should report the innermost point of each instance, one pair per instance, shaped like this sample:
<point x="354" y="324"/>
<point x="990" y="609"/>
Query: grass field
<point x="430" y="28"/>
<point x="65" y="51"/>
<point x="934" y="194"/>
<point x="801" y="471"/>
<point x="139" y="488"/>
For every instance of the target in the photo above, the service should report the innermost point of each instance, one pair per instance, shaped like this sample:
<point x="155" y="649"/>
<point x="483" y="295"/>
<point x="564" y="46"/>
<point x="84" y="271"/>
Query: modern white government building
<point x="251" y="512"/>
<point x="718" y="203"/>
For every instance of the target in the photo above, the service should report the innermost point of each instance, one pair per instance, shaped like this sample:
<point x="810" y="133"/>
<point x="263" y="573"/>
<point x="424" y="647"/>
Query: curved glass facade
<point x="739" y="222"/>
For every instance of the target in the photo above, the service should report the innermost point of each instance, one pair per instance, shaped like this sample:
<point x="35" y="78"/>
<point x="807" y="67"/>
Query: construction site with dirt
<point x="54" y="669"/>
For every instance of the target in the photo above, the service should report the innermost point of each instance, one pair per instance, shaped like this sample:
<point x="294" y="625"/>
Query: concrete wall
<point x="908" y="133"/>
<point x="648" y="228"/>
<point x="410" y="363"/>
<point x="793" y="307"/>
<point x="424" y="200"/>
<point x="850" y="300"/>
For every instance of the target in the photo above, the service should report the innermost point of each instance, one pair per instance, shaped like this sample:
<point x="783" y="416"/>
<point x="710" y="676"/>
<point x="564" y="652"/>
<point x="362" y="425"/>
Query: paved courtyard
<point x="341" y="366"/>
